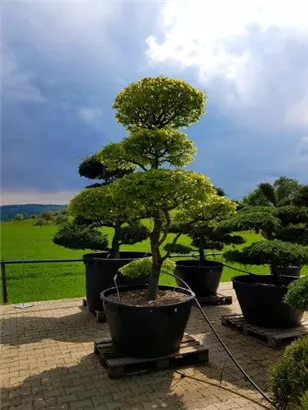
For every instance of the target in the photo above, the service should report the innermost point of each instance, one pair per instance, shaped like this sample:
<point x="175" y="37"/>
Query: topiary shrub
<point x="288" y="378"/>
<point x="273" y="252"/>
<point x="133" y="233"/>
<point x="304" y="402"/>
<point x="297" y="295"/>
<point x="142" y="267"/>
<point x="284" y="223"/>
<point x="76" y="236"/>
<point x="178" y="248"/>
<point x="199" y="221"/>
<point x="108" y="214"/>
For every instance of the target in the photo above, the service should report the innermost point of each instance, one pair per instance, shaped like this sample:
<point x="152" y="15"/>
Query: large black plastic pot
<point x="100" y="272"/>
<point x="294" y="271"/>
<point x="203" y="280"/>
<point x="262" y="303"/>
<point x="146" y="331"/>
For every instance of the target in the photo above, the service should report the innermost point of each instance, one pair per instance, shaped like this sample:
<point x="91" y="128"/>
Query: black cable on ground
<point x="263" y="394"/>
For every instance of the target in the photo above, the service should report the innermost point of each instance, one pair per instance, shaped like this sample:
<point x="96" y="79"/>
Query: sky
<point x="63" y="63"/>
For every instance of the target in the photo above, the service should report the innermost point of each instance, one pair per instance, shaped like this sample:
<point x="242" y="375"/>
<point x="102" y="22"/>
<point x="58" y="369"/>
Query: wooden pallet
<point x="98" y="314"/>
<point x="190" y="352"/>
<point x="274" y="338"/>
<point x="215" y="300"/>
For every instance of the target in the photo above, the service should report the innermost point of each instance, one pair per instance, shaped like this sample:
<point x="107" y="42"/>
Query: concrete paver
<point x="47" y="362"/>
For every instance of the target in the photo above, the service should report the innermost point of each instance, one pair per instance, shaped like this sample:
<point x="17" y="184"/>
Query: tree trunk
<point x="275" y="273"/>
<point x="156" y="258"/>
<point x="115" y="246"/>
<point x="153" y="281"/>
<point x="201" y="251"/>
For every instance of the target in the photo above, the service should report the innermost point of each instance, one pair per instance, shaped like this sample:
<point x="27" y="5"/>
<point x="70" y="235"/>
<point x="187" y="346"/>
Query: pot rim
<point x="136" y="287"/>
<point x="91" y="256"/>
<point x="235" y="280"/>
<point x="215" y="264"/>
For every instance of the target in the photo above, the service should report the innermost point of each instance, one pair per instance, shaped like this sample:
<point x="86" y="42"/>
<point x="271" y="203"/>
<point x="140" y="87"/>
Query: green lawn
<point x="33" y="282"/>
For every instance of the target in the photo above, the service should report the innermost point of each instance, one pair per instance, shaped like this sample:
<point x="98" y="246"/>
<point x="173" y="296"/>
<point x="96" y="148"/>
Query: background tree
<point x="285" y="228"/>
<point x="82" y="229"/>
<point x="40" y="222"/>
<point x="19" y="217"/>
<point x="281" y="192"/>
<point x="48" y="216"/>
<point x="61" y="217"/>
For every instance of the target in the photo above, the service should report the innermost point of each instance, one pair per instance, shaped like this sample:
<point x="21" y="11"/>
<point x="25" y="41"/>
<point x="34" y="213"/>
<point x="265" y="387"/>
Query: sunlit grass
<point x="33" y="282"/>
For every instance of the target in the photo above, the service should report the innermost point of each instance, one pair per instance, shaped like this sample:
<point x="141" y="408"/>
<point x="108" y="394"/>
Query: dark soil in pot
<point x="203" y="280"/>
<point x="151" y="328"/>
<point x="100" y="272"/>
<point x="261" y="301"/>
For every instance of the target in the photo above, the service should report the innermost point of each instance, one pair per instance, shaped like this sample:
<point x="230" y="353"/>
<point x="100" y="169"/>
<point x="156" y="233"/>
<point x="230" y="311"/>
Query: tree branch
<point x="166" y="230"/>
<point x="168" y="253"/>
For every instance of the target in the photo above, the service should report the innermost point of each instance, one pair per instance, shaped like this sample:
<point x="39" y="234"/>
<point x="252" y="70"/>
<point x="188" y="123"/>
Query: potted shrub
<point x="282" y="192"/>
<point x="200" y="223"/>
<point x="285" y="231"/>
<point x="288" y="378"/>
<point x="83" y="232"/>
<point x="149" y="321"/>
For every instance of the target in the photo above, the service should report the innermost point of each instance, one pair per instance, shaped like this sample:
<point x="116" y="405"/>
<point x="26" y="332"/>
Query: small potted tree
<point x="84" y="232"/>
<point x="286" y="237"/>
<point x="150" y="321"/>
<point x="200" y="223"/>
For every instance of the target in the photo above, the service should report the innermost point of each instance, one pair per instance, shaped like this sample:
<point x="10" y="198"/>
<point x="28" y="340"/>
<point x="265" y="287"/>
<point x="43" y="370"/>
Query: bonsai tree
<point x="152" y="110"/>
<point x="200" y="224"/>
<point x="284" y="228"/>
<point x="83" y="232"/>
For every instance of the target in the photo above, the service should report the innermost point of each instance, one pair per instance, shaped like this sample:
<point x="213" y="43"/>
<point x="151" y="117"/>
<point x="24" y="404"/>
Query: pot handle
<point x="116" y="285"/>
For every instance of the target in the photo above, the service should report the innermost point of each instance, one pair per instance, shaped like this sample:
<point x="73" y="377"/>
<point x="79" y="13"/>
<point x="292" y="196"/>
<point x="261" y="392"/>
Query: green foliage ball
<point x="288" y="378"/>
<point x="75" y="236"/>
<point x="297" y="295"/>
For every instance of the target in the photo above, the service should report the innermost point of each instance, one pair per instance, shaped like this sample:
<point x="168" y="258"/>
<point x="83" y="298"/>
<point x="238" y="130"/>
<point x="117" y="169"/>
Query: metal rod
<point x="12" y="262"/>
<point x="4" y="283"/>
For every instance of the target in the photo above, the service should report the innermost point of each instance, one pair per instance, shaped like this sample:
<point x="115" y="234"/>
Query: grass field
<point x="33" y="282"/>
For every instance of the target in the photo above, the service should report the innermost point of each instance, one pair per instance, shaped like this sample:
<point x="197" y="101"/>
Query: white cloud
<point x="91" y="116"/>
<point x="250" y="55"/>
<point x="32" y="197"/>
<point x="299" y="113"/>
<point x="17" y="85"/>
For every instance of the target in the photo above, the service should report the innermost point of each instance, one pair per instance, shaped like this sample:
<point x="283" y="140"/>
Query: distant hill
<point x="9" y="211"/>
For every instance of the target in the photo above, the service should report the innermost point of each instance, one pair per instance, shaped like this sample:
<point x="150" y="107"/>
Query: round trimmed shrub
<point x="288" y="378"/>
<point x="297" y="295"/>
<point x="178" y="248"/>
<point x="75" y="236"/>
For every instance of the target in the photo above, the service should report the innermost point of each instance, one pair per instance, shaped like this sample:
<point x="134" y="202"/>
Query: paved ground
<point x="47" y="362"/>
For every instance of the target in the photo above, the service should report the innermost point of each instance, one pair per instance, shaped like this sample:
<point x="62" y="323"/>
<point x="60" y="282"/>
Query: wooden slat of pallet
<point x="98" y="314"/>
<point x="215" y="300"/>
<point x="274" y="338"/>
<point x="190" y="352"/>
